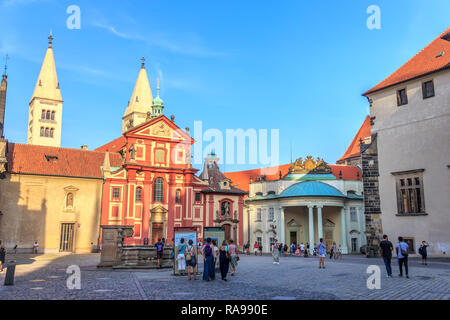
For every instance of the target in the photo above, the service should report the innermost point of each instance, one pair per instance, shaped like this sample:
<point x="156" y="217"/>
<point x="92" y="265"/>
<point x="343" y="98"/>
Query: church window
<point x="271" y="214"/>
<point x="51" y="132"/>
<point x="47" y="132"/>
<point x="42" y="131"/>
<point x="410" y="195"/>
<point x="158" y="195"/>
<point x="353" y="216"/>
<point x="43" y="114"/>
<point x="116" y="193"/>
<point x="53" y="115"/>
<point x="47" y="116"/>
<point x="160" y="155"/>
<point x="198" y="197"/>
<point x="139" y="194"/>
<point x="259" y="240"/>
<point x="178" y="196"/>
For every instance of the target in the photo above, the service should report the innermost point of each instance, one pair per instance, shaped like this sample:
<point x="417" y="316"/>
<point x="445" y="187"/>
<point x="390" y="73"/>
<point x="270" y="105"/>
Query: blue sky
<point x="297" y="66"/>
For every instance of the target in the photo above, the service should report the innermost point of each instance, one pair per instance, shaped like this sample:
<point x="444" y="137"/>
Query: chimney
<point x="84" y="147"/>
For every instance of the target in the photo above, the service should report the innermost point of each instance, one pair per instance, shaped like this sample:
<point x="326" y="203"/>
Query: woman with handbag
<point x="234" y="257"/>
<point x="191" y="259"/>
<point x="224" y="260"/>
<point x="180" y="258"/>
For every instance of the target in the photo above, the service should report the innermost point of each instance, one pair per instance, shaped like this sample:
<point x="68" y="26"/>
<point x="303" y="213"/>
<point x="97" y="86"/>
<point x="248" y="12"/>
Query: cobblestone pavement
<point x="44" y="277"/>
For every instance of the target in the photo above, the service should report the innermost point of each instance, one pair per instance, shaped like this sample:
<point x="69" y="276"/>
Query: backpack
<point x="159" y="246"/>
<point x="189" y="254"/>
<point x="403" y="252"/>
<point x="420" y="250"/>
<point x="208" y="250"/>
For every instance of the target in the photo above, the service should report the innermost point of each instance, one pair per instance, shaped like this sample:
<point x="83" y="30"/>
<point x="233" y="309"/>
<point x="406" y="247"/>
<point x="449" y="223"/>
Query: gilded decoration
<point x="161" y="130"/>
<point x="309" y="165"/>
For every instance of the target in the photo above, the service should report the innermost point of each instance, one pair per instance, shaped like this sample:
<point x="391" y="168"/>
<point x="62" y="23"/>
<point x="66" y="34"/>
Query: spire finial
<point x="157" y="87"/>
<point x="6" y="65"/>
<point x="50" y="39"/>
<point x="143" y="62"/>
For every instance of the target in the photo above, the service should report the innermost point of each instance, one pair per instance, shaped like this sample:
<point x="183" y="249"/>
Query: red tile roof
<point x="424" y="62"/>
<point x="353" y="149"/>
<point x="241" y="179"/>
<point x="113" y="146"/>
<point x="53" y="161"/>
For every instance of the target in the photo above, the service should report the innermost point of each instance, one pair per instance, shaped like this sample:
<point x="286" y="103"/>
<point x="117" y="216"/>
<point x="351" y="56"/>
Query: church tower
<point x="45" y="116"/>
<point x="139" y="108"/>
<point x="3" y="141"/>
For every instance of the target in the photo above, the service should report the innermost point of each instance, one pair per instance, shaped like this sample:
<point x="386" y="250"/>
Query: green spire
<point x="158" y="103"/>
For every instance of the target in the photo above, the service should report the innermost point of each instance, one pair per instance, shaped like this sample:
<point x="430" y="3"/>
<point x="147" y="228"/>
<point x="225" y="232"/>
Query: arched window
<point x="51" y="132"/>
<point x="178" y="196"/>
<point x="46" y="132"/>
<point x="47" y="115"/>
<point x="139" y="194"/>
<point x="43" y="114"/>
<point x="42" y="131"/>
<point x="53" y="115"/>
<point x="158" y="195"/>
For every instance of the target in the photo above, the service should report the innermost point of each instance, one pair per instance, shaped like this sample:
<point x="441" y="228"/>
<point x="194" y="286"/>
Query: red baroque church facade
<point x="156" y="188"/>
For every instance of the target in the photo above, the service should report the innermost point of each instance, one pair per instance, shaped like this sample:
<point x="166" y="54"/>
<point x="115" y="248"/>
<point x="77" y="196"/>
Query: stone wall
<point x="372" y="208"/>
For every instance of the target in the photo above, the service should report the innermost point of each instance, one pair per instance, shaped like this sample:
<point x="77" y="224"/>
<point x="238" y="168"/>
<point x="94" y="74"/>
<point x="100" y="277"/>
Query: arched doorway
<point x="228" y="229"/>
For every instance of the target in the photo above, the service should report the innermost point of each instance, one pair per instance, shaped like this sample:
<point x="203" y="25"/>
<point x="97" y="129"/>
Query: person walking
<point x="339" y="252"/>
<point x="293" y="248"/>
<point x="2" y="258"/>
<point x="333" y="251"/>
<point x="224" y="260"/>
<point x="275" y="252"/>
<point x="402" y="256"/>
<point x="256" y="247"/>
<point x="191" y="259"/>
<point x="260" y="249"/>
<point x="181" y="258"/>
<point x="208" y="256"/>
<point x="159" y="251"/>
<point x="35" y="247"/>
<point x="216" y="256"/>
<point x="423" y="252"/>
<point x="234" y="256"/>
<point x="302" y="248"/>
<point x="386" y="248"/>
<point x="321" y="249"/>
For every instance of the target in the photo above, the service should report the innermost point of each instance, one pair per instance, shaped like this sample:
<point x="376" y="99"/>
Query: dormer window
<point x="51" y="158"/>
<point x="271" y="192"/>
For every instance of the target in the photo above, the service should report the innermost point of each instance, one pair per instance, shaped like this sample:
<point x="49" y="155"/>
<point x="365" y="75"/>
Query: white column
<point x="311" y="227"/>
<point x="343" y="231"/>
<point x="319" y="221"/>
<point x="282" y="227"/>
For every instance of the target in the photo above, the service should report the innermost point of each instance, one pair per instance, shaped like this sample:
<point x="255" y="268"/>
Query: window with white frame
<point x="271" y="214"/>
<point x="258" y="214"/>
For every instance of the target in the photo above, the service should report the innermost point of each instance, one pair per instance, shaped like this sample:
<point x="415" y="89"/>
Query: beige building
<point x="53" y="196"/>
<point x="410" y="111"/>
<point x="45" y="115"/>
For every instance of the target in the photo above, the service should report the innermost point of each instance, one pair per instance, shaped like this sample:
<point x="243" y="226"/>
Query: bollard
<point x="9" y="277"/>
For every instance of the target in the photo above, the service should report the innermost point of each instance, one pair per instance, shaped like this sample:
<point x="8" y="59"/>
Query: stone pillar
<point x="319" y="221"/>
<point x="311" y="228"/>
<point x="282" y="227"/>
<point x="343" y="231"/>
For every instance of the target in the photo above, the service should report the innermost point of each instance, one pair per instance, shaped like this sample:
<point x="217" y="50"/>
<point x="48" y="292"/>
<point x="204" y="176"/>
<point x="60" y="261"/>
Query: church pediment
<point x="159" y="209"/>
<point x="293" y="223"/>
<point x="160" y="127"/>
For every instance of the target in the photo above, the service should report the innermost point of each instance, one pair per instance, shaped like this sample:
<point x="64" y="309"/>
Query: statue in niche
<point x="226" y="209"/>
<point x="69" y="200"/>
<point x="132" y="151"/>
